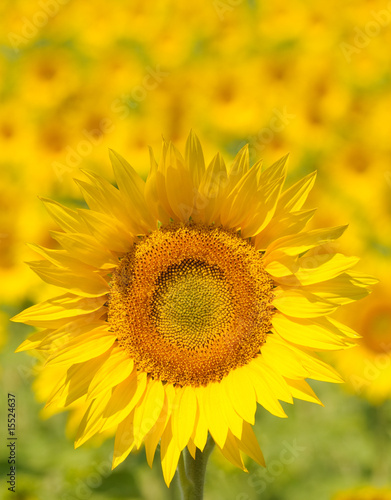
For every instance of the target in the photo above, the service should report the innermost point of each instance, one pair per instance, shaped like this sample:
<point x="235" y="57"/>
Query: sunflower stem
<point x="192" y="472"/>
<point x="184" y="483"/>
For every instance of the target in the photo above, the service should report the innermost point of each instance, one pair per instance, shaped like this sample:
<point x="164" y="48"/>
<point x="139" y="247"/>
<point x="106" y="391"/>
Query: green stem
<point x="184" y="483"/>
<point x="191" y="472"/>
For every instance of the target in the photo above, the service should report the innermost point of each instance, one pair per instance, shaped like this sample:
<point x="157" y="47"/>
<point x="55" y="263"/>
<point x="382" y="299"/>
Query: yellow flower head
<point x="189" y="298"/>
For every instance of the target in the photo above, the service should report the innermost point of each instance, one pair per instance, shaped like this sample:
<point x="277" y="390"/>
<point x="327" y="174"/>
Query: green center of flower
<point x="190" y="304"/>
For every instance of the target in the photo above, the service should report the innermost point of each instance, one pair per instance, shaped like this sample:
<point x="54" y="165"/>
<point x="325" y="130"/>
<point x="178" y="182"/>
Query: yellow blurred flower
<point x="364" y="493"/>
<point x="51" y="75"/>
<point x="367" y="367"/>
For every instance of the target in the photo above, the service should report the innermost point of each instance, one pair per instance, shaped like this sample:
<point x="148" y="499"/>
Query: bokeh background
<point x="309" y="78"/>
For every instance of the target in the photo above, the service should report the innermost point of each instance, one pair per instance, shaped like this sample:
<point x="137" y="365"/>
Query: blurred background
<point x="309" y="78"/>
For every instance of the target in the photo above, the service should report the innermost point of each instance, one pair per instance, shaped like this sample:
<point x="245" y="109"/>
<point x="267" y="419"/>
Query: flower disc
<point x="190" y="303"/>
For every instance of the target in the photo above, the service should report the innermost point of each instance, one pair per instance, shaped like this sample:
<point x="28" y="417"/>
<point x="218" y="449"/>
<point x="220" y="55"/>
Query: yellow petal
<point x="200" y="433"/>
<point x="232" y="453"/>
<point x="79" y="377"/>
<point x="317" y="369"/>
<point x="222" y="401"/>
<point x="153" y="437"/>
<point x="86" y="284"/>
<point x="116" y="369"/>
<point x="316" y="333"/>
<point x="161" y="178"/>
<point x="155" y="204"/>
<point x="85" y="248"/>
<point x="192" y="449"/>
<point x="58" y="311"/>
<point x="340" y="290"/>
<point x="60" y="336"/>
<point x="125" y="397"/>
<point x="299" y="243"/>
<point x="293" y="198"/>
<point x="343" y="329"/>
<point x="103" y="197"/>
<point x="276" y="353"/>
<point x="99" y="194"/>
<point x="34" y="341"/>
<point x="180" y="189"/>
<point x="57" y="390"/>
<point x="262" y="213"/>
<point x="215" y="423"/>
<point x="261" y="209"/>
<point x="92" y="420"/>
<point x="282" y="225"/>
<point x="184" y="415"/>
<point x="273" y="172"/>
<point x="124" y="441"/>
<point x="249" y="444"/>
<point x="241" y="392"/>
<point x="286" y="265"/>
<point x="169" y="452"/>
<point x="276" y="382"/>
<point x="61" y="258"/>
<point x="302" y="304"/>
<point x="148" y="410"/>
<point x="212" y="185"/>
<point x="85" y="346"/>
<point x="225" y="182"/>
<point x="132" y="187"/>
<point x="195" y="158"/>
<point x="301" y="390"/>
<point x="264" y="391"/>
<point x="236" y="205"/>
<point x="109" y="232"/>
<point x="66" y="218"/>
<point x="317" y="268"/>
<point x="239" y="168"/>
<point x="361" y="279"/>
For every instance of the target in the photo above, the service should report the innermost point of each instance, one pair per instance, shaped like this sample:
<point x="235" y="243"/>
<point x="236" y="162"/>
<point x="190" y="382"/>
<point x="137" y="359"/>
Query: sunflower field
<point x="127" y="132"/>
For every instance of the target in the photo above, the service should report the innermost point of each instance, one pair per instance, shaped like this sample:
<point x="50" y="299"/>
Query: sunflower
<point x="364" y="493"/>
<point x="189" y="298"/>
<point x="367" y="367"/>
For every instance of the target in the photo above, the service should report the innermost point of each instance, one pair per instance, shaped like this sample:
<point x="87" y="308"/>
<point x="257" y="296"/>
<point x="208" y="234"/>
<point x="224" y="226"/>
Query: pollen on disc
<point x="189" y="303"/>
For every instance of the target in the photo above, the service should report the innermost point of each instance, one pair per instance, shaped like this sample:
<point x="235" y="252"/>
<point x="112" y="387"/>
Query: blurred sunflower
<point x="366" y="493"/>
<point x="189" y="298"/>
<point x="367" y="367"/>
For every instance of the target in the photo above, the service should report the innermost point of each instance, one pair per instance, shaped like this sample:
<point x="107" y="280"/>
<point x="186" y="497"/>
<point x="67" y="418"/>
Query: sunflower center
<point x="190" y="303"/>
